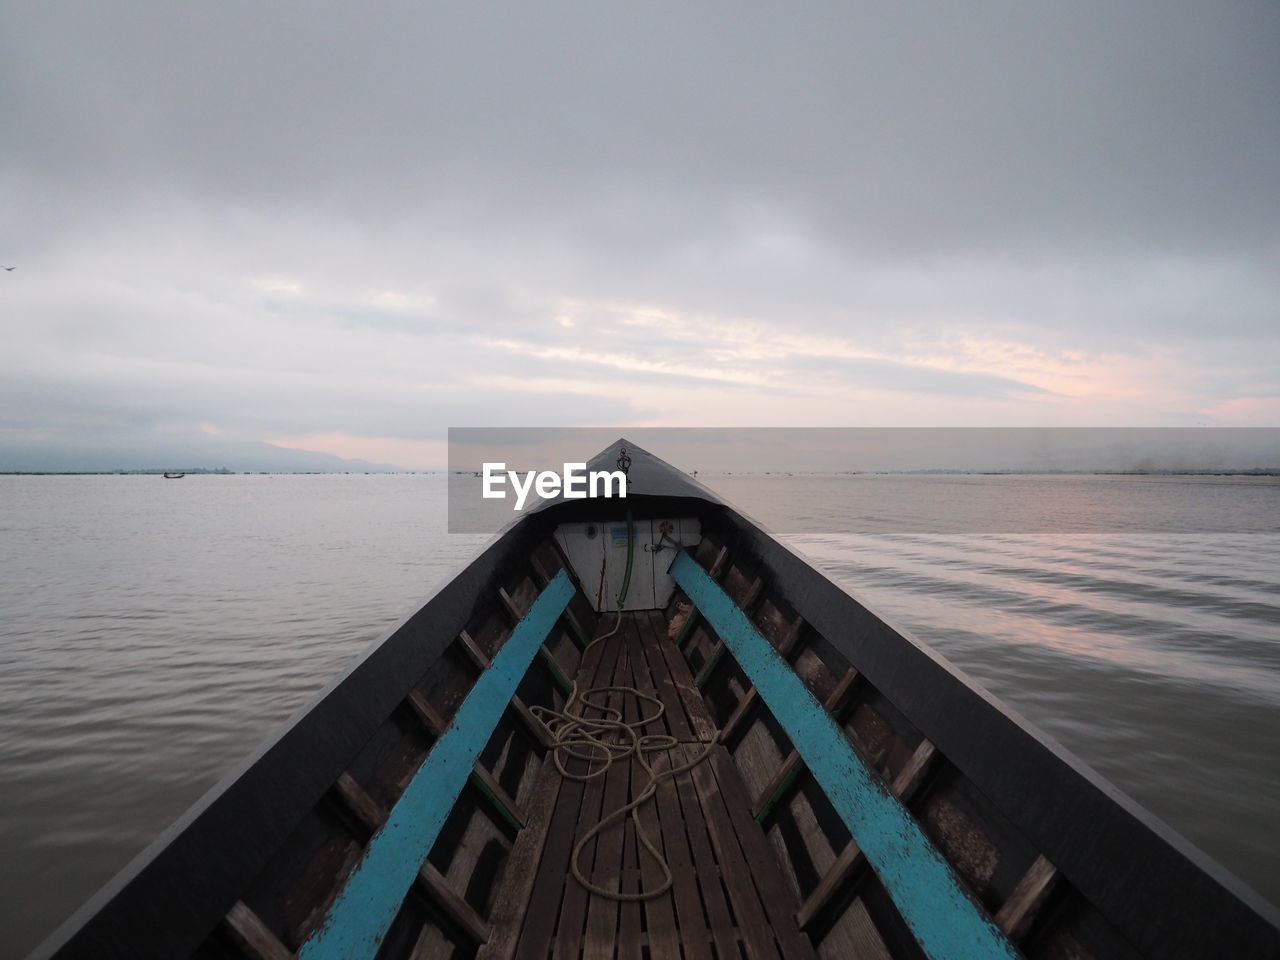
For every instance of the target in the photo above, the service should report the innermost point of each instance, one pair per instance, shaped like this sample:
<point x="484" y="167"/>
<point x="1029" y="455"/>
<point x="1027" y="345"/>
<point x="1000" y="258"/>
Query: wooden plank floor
<point x="727" y="900"/>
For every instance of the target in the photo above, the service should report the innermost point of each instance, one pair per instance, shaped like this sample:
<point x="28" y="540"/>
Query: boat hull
<point x="850" y="793"/>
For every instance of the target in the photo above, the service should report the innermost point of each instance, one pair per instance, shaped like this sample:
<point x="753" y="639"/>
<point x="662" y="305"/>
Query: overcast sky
<point x="345" y="227"/>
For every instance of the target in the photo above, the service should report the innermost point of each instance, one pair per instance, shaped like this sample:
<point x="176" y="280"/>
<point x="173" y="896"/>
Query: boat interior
<point x="760" y="864"/>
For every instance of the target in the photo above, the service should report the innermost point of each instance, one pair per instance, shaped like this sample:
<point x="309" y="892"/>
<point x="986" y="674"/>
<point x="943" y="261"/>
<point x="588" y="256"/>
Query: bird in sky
<point x="10" y="269"/>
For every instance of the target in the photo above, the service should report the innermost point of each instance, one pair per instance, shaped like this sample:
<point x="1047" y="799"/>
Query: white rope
<point x="606" y="740"/>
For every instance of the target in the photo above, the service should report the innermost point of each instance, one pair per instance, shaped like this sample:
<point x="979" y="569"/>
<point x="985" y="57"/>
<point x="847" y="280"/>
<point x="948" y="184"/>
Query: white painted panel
<point x="583" y="544"/>
<point x="640" y="590"/>
<point x="598" y="555"/>
<point x="685" y="532"/>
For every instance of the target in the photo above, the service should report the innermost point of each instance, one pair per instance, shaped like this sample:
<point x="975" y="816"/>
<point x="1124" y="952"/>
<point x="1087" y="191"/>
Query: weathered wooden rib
<point x="437" y="887"/>
<point x="752" y="697"/>
<point x="856" y="796"/>
<point x="691" y="616"/>
<point x="786" y="776"/>
<point x="903" y="787"/>
<point x="490" y="788"/>
<point x="253" y="936"/>
<point x="518" y="706"/>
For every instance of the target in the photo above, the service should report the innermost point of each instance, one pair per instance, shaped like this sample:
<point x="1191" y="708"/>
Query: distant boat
<point x="830" y="787"/>
<point x="173" y="476"/>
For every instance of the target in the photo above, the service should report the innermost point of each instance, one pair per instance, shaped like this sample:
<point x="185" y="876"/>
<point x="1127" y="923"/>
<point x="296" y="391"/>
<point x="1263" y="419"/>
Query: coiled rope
<point x="602" y="741"/>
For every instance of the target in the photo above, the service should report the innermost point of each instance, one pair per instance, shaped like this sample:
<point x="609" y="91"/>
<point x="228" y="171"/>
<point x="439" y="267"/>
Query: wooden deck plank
<point x="700" y="722"/>
<point x="659" y="912"/>
<point x="548" y="886"/>
<point x="606" y="868"/>
<point x="778" y="899"/>
<point x="522" y="868"/>
<point x="646" y="681"/>
<point x="706" y="868"/>
<point x="629" y="945"/>
<point x="694" y="932"/>
<point x="756" y="935"/>
<point x="651" y="634"/>
<point x="678" y="917"/>
<point x="690" y="889"/>
<point x="602" y="860"/>
<point x="576" y="901"/>
<point x="650" y="683"/>
<point x="539" y="922"/>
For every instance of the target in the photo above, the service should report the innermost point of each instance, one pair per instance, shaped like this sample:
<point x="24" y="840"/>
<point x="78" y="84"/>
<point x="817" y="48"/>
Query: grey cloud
<point x="915" y="126"/>
<point x="285" y="409"/>
<point x="636" y="382"/>
<point x="149" y="358"/>
<point x="1081" y="180"/>
<point x="889" y="375"/>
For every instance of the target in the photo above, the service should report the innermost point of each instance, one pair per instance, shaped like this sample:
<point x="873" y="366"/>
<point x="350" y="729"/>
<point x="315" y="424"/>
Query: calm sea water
<point x="152" y="632"/>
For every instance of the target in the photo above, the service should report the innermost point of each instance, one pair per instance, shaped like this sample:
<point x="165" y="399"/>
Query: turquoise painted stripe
<point x="946" y="921"/>
<point x="362" y="913"/>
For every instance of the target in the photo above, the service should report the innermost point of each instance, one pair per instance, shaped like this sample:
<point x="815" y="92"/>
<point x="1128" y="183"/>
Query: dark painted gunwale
<point x="1169" y="898"/>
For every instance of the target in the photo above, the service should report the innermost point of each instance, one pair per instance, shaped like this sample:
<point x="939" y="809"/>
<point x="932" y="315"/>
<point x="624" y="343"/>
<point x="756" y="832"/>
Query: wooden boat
<point x="170" y="475"/>
<point x="842" y="791"/>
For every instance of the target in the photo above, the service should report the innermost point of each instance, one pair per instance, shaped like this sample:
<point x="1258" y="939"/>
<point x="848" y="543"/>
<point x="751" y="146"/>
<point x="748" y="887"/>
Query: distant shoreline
<point x="212" y="473"/>
<point x="1255" y="472"/>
